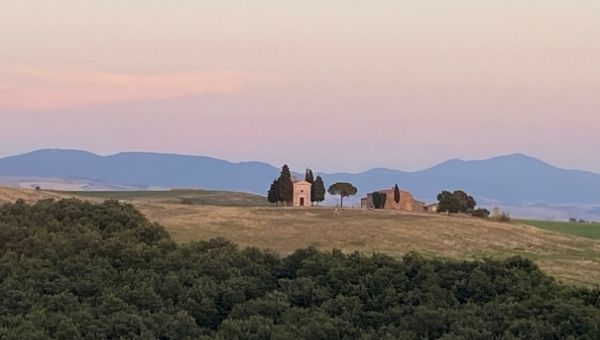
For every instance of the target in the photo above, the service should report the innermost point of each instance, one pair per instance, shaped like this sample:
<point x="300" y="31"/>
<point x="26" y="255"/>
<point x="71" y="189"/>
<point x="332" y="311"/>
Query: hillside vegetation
<point x="72" y="270"/>
<point x="570" y="259"/>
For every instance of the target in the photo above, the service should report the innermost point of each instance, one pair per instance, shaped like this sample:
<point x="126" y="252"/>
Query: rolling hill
<point x="507" y="179"/>
<point x="512" y="179"/>
<point x="242" y="219"/>
<point x="141" y="170"/>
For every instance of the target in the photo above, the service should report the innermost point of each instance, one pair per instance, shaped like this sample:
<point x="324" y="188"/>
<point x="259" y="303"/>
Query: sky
<point x="336" y="85"/>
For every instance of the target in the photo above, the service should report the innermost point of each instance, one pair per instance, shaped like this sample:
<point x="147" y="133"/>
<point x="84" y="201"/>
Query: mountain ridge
<point x="513" y="178"/>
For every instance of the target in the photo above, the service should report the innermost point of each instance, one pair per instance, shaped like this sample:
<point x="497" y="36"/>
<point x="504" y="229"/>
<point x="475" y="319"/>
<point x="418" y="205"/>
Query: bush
<point x="481" y="213"/>
<point x="379" y="200"/>
<point x="73" y="270"/>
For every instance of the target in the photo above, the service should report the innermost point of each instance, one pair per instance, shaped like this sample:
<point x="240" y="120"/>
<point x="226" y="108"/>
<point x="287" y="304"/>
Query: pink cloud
<point x="33" y="88"/>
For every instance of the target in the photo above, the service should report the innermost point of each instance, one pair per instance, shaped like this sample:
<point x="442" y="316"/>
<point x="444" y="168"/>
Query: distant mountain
<point x="513" y="179"/>
<point x="142" y="170"/>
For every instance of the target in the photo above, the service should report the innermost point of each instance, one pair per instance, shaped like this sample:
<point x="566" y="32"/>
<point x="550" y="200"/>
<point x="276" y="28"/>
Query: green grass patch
<point x="588" y="230"/>
<point x="189" y="197"/>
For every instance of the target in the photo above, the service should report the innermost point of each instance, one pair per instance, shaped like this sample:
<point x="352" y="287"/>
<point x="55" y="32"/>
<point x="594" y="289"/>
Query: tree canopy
<point x="308" y="176"/>
<point x="273" y="193"/>
<point x="379" y="199"/>
<point x="285" y="185"/>
<point x="343" y="189"/>
<point x="317" y="192"/>
<point x="77" y="270"/>
<point x="456" y="202"/>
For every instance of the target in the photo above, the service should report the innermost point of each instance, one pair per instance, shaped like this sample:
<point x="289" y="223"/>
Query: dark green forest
<point x="76" y="270"/>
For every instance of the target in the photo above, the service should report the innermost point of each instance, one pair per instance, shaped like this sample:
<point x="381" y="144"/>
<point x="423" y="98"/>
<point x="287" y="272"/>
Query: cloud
<point x="24" y="87"/>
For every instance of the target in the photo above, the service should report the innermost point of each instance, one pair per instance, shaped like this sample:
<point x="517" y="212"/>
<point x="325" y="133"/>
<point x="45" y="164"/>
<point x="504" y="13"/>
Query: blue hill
<point x="514" y="178"/>
<point x="142" y="169"/>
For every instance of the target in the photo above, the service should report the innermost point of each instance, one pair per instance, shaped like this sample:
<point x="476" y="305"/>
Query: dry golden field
<point x="28" y="195"/>
<point x="570" y="259"/>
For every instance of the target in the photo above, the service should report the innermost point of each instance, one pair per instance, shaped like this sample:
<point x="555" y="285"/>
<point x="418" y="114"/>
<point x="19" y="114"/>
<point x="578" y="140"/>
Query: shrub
<point x="481" y="213"/>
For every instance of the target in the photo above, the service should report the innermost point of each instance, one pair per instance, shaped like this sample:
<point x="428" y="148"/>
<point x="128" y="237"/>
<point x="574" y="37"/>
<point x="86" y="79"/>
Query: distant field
<point x="191" y="197"/>
<point x="588" y="230"/>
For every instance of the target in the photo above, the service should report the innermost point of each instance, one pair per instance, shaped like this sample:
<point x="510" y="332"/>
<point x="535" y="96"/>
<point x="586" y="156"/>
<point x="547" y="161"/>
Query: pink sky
<point x="336" y="85"/>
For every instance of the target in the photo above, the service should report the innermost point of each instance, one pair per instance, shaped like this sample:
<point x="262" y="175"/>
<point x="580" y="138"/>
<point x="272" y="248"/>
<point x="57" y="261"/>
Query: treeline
<point x="75" y="270"/>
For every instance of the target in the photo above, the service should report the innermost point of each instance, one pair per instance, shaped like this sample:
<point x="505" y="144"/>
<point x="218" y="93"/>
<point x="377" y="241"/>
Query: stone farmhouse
<point x="301" y="196"/>
<point x="407" y="201"/>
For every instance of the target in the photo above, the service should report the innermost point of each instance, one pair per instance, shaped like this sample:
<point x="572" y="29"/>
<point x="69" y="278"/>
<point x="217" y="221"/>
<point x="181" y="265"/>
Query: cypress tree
<point x="309" y="176"/>
<point x="317" y="192"/>
<point x="396" y="194"/>
<point x="376" y="200"/>
<point x="273" y="194"/>
<point x="285" y="187"/>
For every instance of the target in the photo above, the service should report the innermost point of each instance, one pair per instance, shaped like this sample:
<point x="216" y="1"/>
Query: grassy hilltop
<point x="569" y="258"/>
<point x="193" y="215"/>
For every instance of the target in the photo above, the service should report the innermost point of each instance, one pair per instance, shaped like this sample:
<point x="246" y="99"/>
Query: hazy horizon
<point x="333" y="85"/>
<point x="300" y="169"/>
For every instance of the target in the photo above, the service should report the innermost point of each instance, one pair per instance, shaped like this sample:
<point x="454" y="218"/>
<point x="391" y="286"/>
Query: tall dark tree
<point x="309" y="176"/>
<point x="376" y="200"/>
<point x="285" y="185"/>
<point x="273" y="193"/>
<point x="396" y="194"/>
<point x="343" y="189"/>
<point x="317" y="192"/>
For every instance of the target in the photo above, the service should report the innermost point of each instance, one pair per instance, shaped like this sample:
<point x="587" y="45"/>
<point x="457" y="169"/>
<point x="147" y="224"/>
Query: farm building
<point x="407" y="202"/>
<point x="432" y="208"/>
<point x="301" y="197"/>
